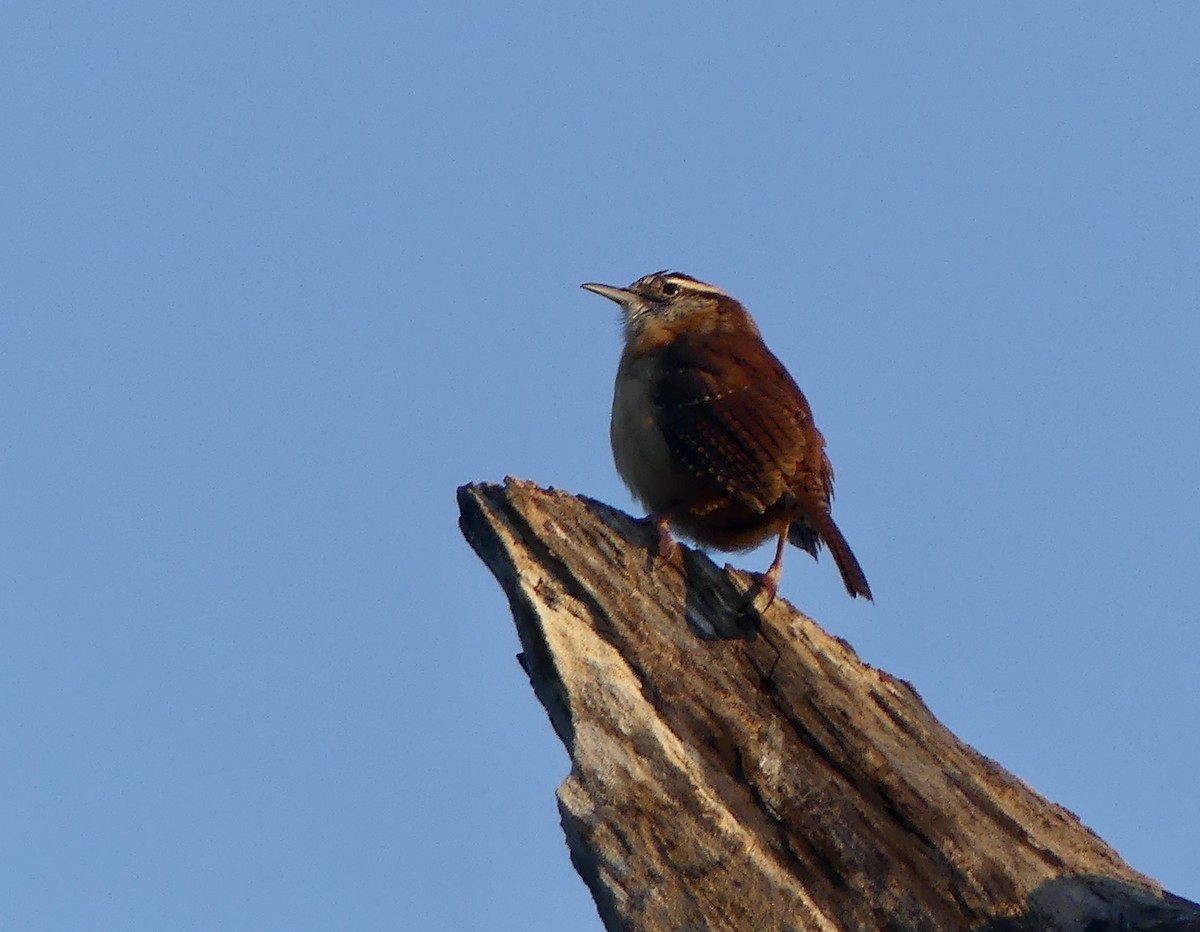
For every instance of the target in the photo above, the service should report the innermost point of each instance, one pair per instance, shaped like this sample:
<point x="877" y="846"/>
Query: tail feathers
<point x="806" y="537"/>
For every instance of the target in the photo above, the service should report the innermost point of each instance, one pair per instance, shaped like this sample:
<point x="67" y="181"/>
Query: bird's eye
<point x="670" y="289"/>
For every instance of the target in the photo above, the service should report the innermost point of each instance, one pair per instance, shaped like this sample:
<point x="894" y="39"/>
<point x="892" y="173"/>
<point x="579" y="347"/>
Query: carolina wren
<point x="711" y="433"/>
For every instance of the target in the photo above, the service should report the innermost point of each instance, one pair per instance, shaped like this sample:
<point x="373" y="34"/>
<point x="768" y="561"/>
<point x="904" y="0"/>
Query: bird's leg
<point x="769" y="581"/>
<point x="665" y="546"/>
<point x="662" y="524"/>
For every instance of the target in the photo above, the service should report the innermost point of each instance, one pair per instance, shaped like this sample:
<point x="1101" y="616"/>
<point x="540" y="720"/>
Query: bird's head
<point x="671" y="298"/>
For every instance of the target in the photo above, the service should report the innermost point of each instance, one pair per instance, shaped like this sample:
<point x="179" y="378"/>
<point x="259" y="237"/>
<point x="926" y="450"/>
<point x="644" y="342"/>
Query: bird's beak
<point x="620" y="295"/>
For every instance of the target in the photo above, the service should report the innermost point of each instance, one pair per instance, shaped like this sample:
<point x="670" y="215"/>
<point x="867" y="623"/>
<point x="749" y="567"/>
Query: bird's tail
<point x="809" y="538"/>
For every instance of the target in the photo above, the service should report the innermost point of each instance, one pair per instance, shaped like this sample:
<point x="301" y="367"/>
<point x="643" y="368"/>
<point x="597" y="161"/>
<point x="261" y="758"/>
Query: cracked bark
<point x="733" y="770"/>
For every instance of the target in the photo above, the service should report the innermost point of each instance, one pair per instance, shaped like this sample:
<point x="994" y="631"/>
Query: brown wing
<point x="739" y="420"/>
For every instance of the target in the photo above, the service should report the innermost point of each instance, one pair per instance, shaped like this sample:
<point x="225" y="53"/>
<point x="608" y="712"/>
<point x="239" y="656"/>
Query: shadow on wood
<point x="742" y="771"/>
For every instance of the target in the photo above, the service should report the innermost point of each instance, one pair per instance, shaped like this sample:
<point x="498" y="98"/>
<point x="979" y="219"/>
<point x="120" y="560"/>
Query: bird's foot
<point x="767" y="582"/>
<point x="666" y="544"/>
<point x="665" y="548"/>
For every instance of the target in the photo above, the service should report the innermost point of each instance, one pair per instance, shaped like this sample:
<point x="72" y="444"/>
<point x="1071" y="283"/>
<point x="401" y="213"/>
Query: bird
<point x="711" y="433"/>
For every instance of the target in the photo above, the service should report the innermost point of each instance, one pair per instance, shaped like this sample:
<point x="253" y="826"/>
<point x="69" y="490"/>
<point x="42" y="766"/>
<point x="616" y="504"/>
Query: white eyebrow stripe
<point x="696" y="286"/>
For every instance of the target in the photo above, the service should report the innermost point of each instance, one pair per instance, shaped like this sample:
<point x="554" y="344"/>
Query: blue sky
<point x="278" y="277"/>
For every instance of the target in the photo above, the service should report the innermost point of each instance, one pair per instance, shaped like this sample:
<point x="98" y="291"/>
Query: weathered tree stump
<point x="738" y="770"/>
